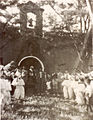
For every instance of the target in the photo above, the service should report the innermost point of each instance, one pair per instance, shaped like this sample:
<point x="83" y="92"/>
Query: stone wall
<point x="60" y="53"/>
<point x="57" y="53"/>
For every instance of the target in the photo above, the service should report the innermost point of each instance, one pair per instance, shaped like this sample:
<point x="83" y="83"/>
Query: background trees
<point x="73" y="15"/>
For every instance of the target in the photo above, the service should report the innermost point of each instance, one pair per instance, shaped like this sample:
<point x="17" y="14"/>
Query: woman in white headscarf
<point x="19" y="83"/>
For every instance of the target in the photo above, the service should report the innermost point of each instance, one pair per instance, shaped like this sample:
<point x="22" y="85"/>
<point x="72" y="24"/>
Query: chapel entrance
<point x="34" y="66"/>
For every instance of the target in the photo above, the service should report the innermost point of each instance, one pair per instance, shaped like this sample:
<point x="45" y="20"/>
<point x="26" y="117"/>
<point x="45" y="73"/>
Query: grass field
<point x="45" y="108"/>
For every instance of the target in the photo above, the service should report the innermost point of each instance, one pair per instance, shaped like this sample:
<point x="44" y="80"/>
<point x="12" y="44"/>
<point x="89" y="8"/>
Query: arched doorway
<point x="31" y="60"/>
<point x="32" y="81"/>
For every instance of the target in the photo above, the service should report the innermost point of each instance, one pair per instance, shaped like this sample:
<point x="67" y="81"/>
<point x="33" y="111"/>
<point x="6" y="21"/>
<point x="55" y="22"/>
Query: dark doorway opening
<point x="33" y="65"/>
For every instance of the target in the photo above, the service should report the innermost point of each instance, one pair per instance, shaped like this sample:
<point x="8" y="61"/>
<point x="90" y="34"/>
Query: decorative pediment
<point x="30" y="7"/>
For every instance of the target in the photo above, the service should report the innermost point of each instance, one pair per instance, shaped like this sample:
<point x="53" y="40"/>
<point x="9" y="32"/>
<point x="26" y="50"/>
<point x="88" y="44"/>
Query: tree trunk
<point x="78" y="60"/>
<point x="80" y="24"/>
<point x="90" y="9"/>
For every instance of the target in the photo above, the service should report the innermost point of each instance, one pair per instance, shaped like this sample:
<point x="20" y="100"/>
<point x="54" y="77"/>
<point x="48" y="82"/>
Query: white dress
<point x="89" y="92"/>
<point x="74" y="86"/>
<point x="3" y="94"/>
<point x="65" y="85"/>
<point x="19" y="91"/>
<point x="2" y="91"/>
<point x="79" y="92"/>
<point x="7" y="91"/>
<point x="71" y="90"/>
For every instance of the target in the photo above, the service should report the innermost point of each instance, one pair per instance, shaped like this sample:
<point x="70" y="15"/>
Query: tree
<point x="87" y="38"/>
<point x="71" y="14"/>
<point x="7" y="31"/>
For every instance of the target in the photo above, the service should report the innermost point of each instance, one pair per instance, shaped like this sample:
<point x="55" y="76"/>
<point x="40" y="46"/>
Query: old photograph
<point x="46" y="59"/>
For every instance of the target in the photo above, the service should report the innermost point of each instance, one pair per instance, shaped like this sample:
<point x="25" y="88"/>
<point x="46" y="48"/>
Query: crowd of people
<point x="11" y="84"/>
<point x="77" y="87"/>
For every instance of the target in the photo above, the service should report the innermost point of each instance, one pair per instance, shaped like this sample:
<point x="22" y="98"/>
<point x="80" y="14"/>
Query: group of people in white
<point x="77" y="87"/>
<point x="6" y="84"/>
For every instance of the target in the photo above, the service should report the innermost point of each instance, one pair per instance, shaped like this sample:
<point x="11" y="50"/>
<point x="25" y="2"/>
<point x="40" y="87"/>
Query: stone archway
<point x="26" y="61"/>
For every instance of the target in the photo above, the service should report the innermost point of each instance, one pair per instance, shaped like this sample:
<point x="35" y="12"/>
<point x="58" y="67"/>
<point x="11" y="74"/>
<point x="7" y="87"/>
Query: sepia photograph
<point x="46" y="59"/>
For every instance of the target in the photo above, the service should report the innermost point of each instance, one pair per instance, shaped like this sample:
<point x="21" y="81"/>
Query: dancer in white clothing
<point x="19" y="91"/>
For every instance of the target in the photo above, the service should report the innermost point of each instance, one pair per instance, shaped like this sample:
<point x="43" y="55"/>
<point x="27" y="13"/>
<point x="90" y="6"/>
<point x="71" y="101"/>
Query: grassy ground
<point x="45" y="108"/>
